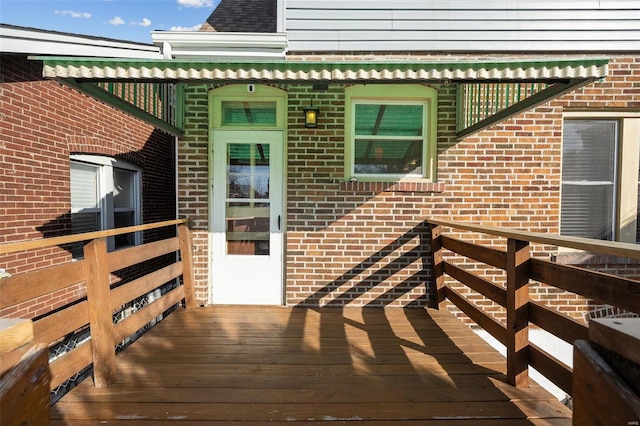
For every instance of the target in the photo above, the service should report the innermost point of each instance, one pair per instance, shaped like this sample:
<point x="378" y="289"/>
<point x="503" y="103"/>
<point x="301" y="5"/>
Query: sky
<point x="131" y="20"/>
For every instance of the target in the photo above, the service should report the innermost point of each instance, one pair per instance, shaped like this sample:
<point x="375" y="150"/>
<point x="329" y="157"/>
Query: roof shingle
<point x="251" y="16"/>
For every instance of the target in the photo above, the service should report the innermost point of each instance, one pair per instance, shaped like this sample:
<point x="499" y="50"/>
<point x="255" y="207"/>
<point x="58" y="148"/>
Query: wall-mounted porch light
<point x="311" y="117"/>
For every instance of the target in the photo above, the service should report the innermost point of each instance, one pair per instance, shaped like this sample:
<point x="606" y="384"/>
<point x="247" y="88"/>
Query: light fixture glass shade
<point x="311" y="117"/>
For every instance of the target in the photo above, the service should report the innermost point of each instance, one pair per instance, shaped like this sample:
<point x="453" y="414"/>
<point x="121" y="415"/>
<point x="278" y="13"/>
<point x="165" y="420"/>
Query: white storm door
<point x="247" y="217"/>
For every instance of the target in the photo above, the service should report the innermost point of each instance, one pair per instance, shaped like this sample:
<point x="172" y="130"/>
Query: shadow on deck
<point x="252" y="365"/>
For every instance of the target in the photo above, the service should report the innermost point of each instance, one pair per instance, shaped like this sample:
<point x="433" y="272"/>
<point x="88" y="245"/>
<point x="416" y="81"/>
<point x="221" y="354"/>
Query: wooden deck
<point x="277" y="366"/>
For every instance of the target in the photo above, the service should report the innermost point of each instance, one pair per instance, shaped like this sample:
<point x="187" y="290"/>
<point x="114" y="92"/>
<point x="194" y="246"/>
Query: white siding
<point x="463" y="25"/>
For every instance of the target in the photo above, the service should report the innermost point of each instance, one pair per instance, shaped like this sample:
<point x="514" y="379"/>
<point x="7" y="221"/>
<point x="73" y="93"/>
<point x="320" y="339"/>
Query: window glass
<point x="389" y="120"/>
<point x="124" y="205"/>
<point x="589" y="169"/>
<point x="81" y="223"/>
<point x="248" y="113"/>
<point x="122" y="219"/>
<point x="248" y="207"/>
<point x="248" y="171"/>
<point x="388" y="156"/>
<point x="123" y="188"/>
<point x="388" y="139"/>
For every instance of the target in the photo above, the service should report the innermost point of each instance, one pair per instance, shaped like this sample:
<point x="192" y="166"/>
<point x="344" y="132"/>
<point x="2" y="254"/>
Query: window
<point x="600" y="167"/>
<point x="105" y="194"/>
<point x="390" y="132"/>
<point x="242" y="106"/>
<point x="249" y="113"/>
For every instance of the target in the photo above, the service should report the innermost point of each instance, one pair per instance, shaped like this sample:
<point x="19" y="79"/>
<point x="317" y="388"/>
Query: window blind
<point x="589" y="170"/>
<point x="84" y="186"/>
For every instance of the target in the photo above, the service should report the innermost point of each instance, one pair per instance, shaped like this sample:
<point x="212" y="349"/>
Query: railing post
<point x="186" y="257"/>
<point x="437" y="268"/>
<point x="518" y="253"/>
<point x="100" y="314"/>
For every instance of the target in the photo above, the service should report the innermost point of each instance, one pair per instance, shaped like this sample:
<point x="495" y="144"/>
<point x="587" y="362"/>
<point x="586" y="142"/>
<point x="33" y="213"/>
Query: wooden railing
<point x="96" y="310"/>
<point x="522" y="270"/>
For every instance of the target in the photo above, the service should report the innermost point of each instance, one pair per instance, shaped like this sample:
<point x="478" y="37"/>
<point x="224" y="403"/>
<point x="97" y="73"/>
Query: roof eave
<point x="203" y="44"/>
<point x="42" y="42"/>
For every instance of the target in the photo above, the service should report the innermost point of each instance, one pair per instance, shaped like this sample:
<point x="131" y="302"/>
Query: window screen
<point x="589" y="163"/>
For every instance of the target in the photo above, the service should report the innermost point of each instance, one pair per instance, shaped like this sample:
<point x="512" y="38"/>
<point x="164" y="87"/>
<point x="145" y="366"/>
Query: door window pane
<point x="247" y="207"/>
<point x="248" y="228"/>
<point x="248" y="171"/>
<point x="589" y="163"/>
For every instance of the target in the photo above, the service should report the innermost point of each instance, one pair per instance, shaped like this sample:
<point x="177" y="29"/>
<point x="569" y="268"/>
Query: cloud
<point x="196" y="3"/>
<point x="179" y="28"/>
<point x="72" y="14"/>
<point x="144" y="23"/>
<point x="116" y="21"/>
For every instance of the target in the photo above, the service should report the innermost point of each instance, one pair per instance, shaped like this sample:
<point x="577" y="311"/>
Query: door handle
<point x="279" y="218"/>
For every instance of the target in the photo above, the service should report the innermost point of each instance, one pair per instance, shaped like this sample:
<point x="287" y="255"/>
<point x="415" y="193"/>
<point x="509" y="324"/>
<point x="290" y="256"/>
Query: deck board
<point x="276" y="365"/>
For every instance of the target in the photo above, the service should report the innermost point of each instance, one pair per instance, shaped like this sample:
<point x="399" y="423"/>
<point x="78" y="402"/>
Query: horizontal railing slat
<point x="550" y="367"/>
<point x="611" y="289"/>
<point x="562" y="326"/>
<point x="31" y="285"/>
<point x="144" y="285"/>
<point x="479" y="284"/>
<point x="137" y="254"/>
<point x="70" y="364"/>
<point x="490" y="256"/>
<point x="52" y="327"/>
<point x="135" y="322"/>
<point x="74" y="238"/>
<point x="485" y="321"/>
<point x="598" y="246"/>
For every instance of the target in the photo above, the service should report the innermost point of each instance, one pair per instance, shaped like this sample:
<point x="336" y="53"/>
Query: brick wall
<point x="361" y="243"/>
<point x="41" y="123"/>
<point x="193" y="182"/>
<point x="357" y="244"/>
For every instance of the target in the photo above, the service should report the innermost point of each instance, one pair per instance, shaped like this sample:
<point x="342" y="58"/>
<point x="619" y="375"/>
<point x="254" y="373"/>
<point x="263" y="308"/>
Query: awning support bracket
<point x="100" y="94"/>
<point x="545" y="95"/>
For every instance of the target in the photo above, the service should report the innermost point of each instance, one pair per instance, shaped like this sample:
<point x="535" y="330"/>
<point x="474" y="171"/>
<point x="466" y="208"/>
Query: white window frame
<point x="626" y="195"/>
<point x="106" y="166"/>
<point x="393" y="94"/>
